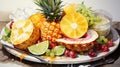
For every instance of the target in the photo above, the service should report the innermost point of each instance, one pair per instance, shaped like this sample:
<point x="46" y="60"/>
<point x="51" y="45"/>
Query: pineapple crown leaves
<point x="50" y="8"/>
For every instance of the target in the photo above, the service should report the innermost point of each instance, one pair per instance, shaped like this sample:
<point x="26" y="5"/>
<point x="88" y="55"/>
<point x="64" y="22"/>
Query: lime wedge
<point x="59" y="50"/>
<point x="39" y="49"/>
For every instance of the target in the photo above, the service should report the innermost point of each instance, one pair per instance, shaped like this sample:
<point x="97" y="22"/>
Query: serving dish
<point x="62" y="59"/>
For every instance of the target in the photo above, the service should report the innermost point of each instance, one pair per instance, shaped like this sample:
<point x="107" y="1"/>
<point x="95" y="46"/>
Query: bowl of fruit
<point x="103" y="27"/>
<point x="61" y="35"/>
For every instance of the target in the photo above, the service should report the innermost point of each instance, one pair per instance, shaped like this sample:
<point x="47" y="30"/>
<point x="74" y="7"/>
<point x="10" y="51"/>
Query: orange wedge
<point x="21" y="31"/>
<point x="74" y="25"/>
<point x="37" y="19"/>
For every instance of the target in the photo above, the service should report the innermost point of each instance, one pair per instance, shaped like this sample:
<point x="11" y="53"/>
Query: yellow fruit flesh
<point x="21" y="31"/>
<point x="24" y="34"/>
<point x="70" y="8"/>
<point x="74" y="25"/>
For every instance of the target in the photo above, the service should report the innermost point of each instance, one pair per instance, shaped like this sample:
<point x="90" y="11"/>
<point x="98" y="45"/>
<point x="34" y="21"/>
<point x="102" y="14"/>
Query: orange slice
<point x="21" y="31"/>
<point x="37" y="19"/>
<point x="70" y="8"/>
<point x="74" y="25"/>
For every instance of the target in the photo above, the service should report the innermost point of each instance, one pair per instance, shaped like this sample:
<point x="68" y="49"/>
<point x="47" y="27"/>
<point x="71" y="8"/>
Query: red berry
<point x="110" y="43"/>
<point x="66" y="53"/>
<point x="104" y="48"/>
<point x="72" y="54"/>
<point x="11" y="24"/>
<point x="52" y="44"/>
<point x="92" y="54"/>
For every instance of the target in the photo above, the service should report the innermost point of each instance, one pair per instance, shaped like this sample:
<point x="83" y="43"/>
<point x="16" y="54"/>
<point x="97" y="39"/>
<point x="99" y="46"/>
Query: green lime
<point x="39" y="49"/>
<point x="59" y="50"/>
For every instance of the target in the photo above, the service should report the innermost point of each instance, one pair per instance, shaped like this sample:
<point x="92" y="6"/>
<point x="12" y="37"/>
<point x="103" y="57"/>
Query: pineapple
<point x="37" y="19"/>
<point x="24" y="34"/>
<point x="51" y="9"/>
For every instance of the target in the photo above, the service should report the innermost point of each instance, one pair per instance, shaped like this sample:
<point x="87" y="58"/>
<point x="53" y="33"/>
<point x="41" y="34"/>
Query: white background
<point x="111" y="6"/>
<point x="7" y="6"/>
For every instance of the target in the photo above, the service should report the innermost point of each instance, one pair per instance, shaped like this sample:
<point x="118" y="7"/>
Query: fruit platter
<point x="61" y="34"/>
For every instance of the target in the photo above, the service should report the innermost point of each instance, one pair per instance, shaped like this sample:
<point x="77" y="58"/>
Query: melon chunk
<point x="91" y="36"/>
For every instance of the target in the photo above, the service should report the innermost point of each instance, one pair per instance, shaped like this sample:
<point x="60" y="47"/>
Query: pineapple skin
<point x="79" y="47"/>
<point x="50" y="31"/>
<point x="31" y="41"/>
<point x="37" y="19"/>
<point x="52" y="11"/>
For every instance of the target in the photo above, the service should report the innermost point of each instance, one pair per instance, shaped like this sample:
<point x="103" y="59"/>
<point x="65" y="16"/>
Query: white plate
<point x="67" y="60"/>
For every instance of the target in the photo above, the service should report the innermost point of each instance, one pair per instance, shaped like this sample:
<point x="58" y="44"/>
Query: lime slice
<point x="39" y="49"/>
<point x="59" y="50"/>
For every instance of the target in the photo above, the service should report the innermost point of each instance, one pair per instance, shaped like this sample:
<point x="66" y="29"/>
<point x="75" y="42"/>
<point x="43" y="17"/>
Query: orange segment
<point x="74" y="25"/>
<point x="21" y="31"/>
<point x="37" y="19"/>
